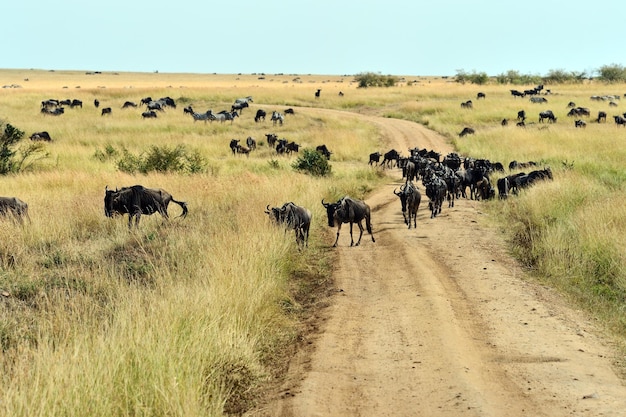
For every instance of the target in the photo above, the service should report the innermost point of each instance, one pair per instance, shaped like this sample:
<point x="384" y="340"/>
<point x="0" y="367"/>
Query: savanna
<point x="203" y="315"/>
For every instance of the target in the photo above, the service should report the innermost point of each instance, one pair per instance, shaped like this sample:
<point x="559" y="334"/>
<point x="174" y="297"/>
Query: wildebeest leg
<point x="338" y="230"/>
<point x="360" y="224"/>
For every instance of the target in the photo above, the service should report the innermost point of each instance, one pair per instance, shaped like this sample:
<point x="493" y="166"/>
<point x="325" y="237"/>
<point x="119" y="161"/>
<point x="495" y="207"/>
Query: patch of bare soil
<point x="439" y="321"/>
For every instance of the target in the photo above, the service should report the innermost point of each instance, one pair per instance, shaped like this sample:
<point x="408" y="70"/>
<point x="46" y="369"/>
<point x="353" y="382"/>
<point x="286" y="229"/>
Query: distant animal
<point x="410" y="199"/>
<point x="260" y="114"/>
<point x="45" y="136"/>
<point x="138" y="200"/>
<point x="149" y="114"/>
<point x="15" y="207"/>
<point x="76" y="103"/>
<point x="293" y="217"/>
<point x="504" y="122"/>
<point x="317" y="93"/>
<point x="580" y="123"/>
<point x="348" y="210"/>
<point x="201" y="116"/>
<point x="480" y="95"/>
<point x="234" y="143"/>
<point x="467" y="104"/>
<point x="389" y="158"/>
<point x="96" y="103"/>
<point x="53" y="112"/>
<point x="244" y="100"/>
<point x="601" y="117"/>
<point x="239" y="106"/>
<point x="188" y="110"/>
<point x="340" y="94"/>
<point x="324" y="151"/>
<point x="521" y="115"/>
<point x="272" y="138"/>
<point x="547" y="114"/>
<point x="243" y="150"/>
<point x="466" y="131"/>
<point x="374" y="158"/>
<point x="289" y="111"/>
<point x="277" y="118"/>
<point x="538" y="100"/>
<point x="517" y="93"/>
<point x="436" y="191"/>
<point x="251" y="143"/>
<point x="106" y="110"/>
<point x="620" y="120"/>
<point x="128" y="104"/>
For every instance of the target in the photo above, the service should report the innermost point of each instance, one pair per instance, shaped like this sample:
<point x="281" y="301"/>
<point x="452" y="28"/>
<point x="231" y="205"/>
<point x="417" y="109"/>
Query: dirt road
<point x="440" y="321"/>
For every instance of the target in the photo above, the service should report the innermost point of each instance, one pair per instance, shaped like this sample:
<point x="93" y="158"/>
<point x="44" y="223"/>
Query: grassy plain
<point x="188" y="318"/>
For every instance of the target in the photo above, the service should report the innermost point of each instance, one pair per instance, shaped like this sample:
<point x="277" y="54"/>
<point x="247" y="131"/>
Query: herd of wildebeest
<point x="444" y="178"/>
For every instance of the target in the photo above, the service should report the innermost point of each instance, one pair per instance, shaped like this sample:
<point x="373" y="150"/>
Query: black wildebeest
<point x="76" y="103"/>
<point x="480" y="95"/>
<point x="521" y="115"/>
<point x="318" y="92"/>
<point x="106" y="110"/>
<point x="436" y="191"/>
<point x="290" y="111"/>
<point x="149" y="114"/>
<point x="15" y="207"/>
<point x="348" y="210"/>
<point x="390" y="157"/>
<point x="272" y="138"/>
<point x="138" y="200"/>
<point x="293" y="217"/>
<point x="128" y="104"/>
<point x="239" y="106"/>
<point x="234" y="143"/>
<point x="601" y="117"/>
<point x="467" y="104"/>
<point x="374" y="158"/>
<point x="260" y="114"/>
<point x="324" y="151"/>
<point x="41" y="136"/>
<point x="251" y="143"/>
<point x="466" y="131"/>
<point x="96" y="103"/>
<point x="410" y="199"/>
<point x="547" y="114"/>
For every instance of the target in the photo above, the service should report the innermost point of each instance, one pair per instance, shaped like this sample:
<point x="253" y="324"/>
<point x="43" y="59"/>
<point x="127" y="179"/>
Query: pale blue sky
<point x="399" y="37"/>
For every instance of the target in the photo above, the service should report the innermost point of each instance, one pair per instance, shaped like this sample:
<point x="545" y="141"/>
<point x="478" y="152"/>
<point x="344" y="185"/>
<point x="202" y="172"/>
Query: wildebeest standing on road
<point x="410" y="199"/>
<point x="348" y="210"/>
<point x="138" y="200"/>
<point x="15" y="207"/>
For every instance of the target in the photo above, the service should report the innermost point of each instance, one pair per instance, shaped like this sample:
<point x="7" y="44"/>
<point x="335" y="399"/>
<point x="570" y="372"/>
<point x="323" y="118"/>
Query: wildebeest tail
<point x="184" y="207"/>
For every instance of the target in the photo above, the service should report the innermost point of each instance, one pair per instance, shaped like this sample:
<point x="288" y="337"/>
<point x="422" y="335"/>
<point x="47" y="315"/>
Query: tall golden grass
<point x="189" y="317"/>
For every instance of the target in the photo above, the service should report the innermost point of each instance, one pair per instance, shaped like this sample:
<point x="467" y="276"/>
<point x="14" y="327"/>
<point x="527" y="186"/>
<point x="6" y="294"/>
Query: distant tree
<point x="370" y="79"/>
<point x="479" y="78"/>
<point x="612" y="73"/>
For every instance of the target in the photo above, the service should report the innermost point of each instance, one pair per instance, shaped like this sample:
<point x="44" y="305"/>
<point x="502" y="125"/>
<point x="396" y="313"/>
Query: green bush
<point x="12" y="159"/>
<point x="312" y="162"/>
<point x="162" y="159"/>
<point x="370" y="79"/>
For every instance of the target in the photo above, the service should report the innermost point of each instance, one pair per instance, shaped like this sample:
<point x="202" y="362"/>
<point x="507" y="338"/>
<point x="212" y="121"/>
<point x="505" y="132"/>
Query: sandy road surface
<point x="439" y="321"/>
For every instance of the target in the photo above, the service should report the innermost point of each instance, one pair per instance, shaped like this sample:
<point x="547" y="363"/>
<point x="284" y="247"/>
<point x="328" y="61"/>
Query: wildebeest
<point x="138" y="200"/>
<point x="503" y="187"/>
<point x="620" y="120"/>
<point x="272" y="138"/>
<point x="76" y="103"/>
<point x="128" y="104"/>
<point x="96" y="103"/>
<point x="293" y="217"/>
<point x="324" y="151"/>
<point x="318" y="92"/>
<point x="201" y="116"/>
<point x="239" y="106"/>
<point x="251" y="143"/>
<point x="547" y="114"/>
<point x="106" y="110"/>
<point x="538" y="100"/>
<point x="410" y="199"/>
<point x="277" y="117"/>
<point x="234" y="143"/>
<point x="601" y="116"/>
<point x="149" y="114"/>
<point x="467" y="104"/>
<point x="45" y="136"/>
<point x="580" y="123"/>
<point x="260" y="114"/>
<point x="290" y="111"/>
<point x="466" y="131"/>
<point x="436" y="191"/>
<point x="480" y="95"/>
<point x="348" y="210"/>
<point x="390" y="157"/>
<point x="521" y="115"/>
<point x="53" y="112"/>
<point x="517" y="93"/>
<point x="15" y="207"/>
<point x="374" y="158"/>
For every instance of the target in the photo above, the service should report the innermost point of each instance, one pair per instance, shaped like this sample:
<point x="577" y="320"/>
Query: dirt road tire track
<point x="440" y="321"/>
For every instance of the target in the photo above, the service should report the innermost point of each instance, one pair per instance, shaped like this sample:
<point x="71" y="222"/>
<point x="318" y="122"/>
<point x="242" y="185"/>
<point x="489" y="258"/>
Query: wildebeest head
<point x="331" y="208"/>
<point x="111" y="202"/>
<point x="403" y="196"/>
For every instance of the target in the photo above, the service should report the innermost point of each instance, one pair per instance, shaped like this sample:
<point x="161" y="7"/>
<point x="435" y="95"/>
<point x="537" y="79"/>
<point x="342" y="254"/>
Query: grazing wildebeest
<point x="521" y="165"/>
<point x="324" y="151"/>
<point x="601" y="116"/>
<point x="503" y="187"/>
<point x="348" y="210"/>
<point x="138" y="200"/>
<point x="620" y="120"/>
<point x="390" y="157"/>
<point x="467" y="104"/>
<point x="293" y="217"/>
<point x="290" y="111"/>
<point x="243" y="150"/>
<point x="76" y="103"/>
<point x="149" y="114"/>
<point x="318" y="92"/>
<point x="410" y="199"/>
<point x="260" y="114"/>
<point x="45" y="136"/>
<point x="517" y="93"/>
<point x="466" y="131"/>
<point x="15" y="207"/>
<point x="504" y="122"/>
<point x="480" y="95"/>
<point x="96" y="103"/>
<point x="521" y="115"/>
<point x="580" y="123"/>
<point x="106" y="110"/>
<point x="128" y="104"/>
<point x="374" y="158"/>
<point x="292" y="147"/>
<point x="53" y="112"/>
<point x="547" y="114"/>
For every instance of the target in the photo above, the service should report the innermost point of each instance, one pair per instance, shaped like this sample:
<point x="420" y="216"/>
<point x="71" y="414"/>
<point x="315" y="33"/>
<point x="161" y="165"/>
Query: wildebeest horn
<point x="324" y="204"/>
<point x="394" y="191"/>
